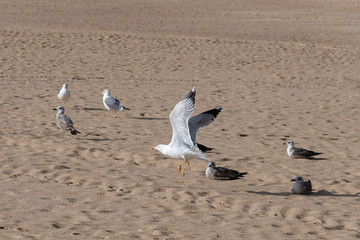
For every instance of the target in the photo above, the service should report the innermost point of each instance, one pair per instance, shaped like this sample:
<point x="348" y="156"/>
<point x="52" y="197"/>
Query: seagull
<point x="221" y="173"/>
<point x="181" y="145"/>
<point x="111" y="103"/>
<point x="300" y="186"/>
<point x="294" y="152"/>
<point x="202" y="120"/>
<point x="64" y="122"/>
<point x="64" y="93"/>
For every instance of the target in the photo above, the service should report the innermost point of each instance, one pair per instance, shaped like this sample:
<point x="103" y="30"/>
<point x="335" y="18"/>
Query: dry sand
<point x="285" y="70"/>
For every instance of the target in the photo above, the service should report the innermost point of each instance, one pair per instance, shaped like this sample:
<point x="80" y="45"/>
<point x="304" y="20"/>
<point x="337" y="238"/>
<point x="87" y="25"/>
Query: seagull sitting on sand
<point x="221" y="173"/>
<point x="111" y="103"/>
<point x="181" y="145"/>
<point x="64" y="93"/>
<point x="294" y="152"/>
<point x="300" y="186"/>
<point x="199" y="121"/>
<point x="64" y="122"/>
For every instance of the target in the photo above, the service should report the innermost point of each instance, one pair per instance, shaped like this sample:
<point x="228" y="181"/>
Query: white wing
<point x="179" y="118"/>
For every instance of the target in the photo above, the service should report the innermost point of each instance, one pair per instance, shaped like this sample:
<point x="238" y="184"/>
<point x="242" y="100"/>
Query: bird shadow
<point x="314" y="194"/>
<point x="317" y="159"/>
<point x="149" y="118"/>
<point x="98" y="139"/>
<point x="93" y="109"/>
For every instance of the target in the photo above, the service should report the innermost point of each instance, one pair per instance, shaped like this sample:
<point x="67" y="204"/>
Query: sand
<point x="285" y="70"/>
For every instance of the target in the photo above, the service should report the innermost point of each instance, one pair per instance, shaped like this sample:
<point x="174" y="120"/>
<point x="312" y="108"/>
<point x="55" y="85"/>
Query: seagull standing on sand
<point x="64" y="122"/>
<point x="294" y="152"/>
<point x="181" y="145"/>
<point x="199" y="121"/>
<point x="221" y="173"/>
<point x="300" y="186"/>
<point x="111" y="103"/>
<point x="64" y="93"/>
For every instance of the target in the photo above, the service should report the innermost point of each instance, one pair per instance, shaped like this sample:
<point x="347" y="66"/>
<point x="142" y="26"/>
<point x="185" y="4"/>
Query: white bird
<point x="294" y="152"/>
<point x="181" y="145"/>
<point x="111" y="103"/>
<point x="199" y="121"/>
<point x="222" y="173"/>
<point x="300" y="186"/>
<point x="64" y="122"/>
<point x="64" y="93"/>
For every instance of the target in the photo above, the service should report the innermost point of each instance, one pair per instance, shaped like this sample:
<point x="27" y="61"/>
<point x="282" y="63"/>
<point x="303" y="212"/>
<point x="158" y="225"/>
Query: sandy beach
<point x="280" y="70"/>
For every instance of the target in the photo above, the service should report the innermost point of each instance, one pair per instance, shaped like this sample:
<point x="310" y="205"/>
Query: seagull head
<point x="65" y="86"/>
<point x="297" y="179"/>
<point x="106" y="93"/>
<point x="160" y="148"/>
<point x="289" y="143"/>
<point x="60" y="109"/>
<point x="211" y="165"/>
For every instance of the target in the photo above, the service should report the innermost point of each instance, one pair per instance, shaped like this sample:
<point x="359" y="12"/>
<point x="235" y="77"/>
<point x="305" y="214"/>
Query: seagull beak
<point x="54" y="109"/>
<point x="293" y="180"/>
<point x="101" y="93"/>
<point x="153" y="148"/>
<point x="284" y="143"/>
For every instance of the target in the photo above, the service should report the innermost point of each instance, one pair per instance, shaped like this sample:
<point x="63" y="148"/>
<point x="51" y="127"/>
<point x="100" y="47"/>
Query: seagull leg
<point x="179" y="167"/>
<point x="105" y="114"/>
<point x="183" y="172"/>
<point x="115" y="114"/>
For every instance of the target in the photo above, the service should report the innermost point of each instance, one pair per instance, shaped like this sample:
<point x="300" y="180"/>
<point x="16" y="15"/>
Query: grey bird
<point x="199" y="121"/>
<point x="294" y="152"/>
<point x="222" y="173"/>
<point x="64" y="122"/>
<point x="111" y="103"/>
<point x="300" y="186"/>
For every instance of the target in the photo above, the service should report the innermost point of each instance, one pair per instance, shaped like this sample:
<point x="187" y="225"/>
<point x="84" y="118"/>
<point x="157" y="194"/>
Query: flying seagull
<point x="222" y="173"/>
<point x="294" y="152"/>
<point x="300" y="186"/>
<point x="181" y="145"/>
<point x="111" y="103"/>
<point x="64" y="122"/>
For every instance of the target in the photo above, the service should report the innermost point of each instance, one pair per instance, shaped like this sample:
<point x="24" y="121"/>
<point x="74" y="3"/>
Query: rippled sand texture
<point x="280" y="72"/>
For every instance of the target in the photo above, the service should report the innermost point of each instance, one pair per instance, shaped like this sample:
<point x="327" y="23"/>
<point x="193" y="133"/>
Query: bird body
<point x="64" y="122"/>
<point x="222" y="173"/>
<point x="64" y="93"/>
<point x="294" y="152"/>
<point x="181" y="145"/>
<point x="111" y="103"/>
<point x="300" y="186"/>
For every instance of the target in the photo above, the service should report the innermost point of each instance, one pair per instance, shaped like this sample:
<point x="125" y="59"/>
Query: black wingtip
<point x="203" y="148"/>
<point x="75" y="132"/>
<point x="214" y="112"/>
<point x="191" y="95"/>
<point x="125" y="108"/>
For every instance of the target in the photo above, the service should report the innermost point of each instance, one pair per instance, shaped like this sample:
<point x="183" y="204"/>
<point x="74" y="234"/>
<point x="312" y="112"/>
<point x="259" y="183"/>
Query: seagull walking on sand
<point x="294" y="152"/>
<point x="181" y="145"/>
<point x="199" y="121"/>
<point x="64" y="122"/>
<point x="64" y="93"/>
<point x="300" y="186"/>
<point x="222" y="173"/>
<point x="111" y="103"/>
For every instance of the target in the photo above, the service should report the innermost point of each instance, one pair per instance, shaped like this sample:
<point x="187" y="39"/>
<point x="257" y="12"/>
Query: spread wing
<point x="179" y="118"/>
<point x="202" y="120"/>
<point x="112" y="103"/>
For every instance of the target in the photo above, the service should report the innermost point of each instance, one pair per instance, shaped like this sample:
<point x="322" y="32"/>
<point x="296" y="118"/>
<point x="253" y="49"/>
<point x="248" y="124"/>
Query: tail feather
<point x="125" y="108"/>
